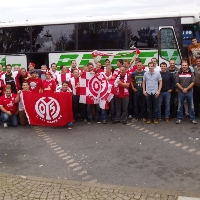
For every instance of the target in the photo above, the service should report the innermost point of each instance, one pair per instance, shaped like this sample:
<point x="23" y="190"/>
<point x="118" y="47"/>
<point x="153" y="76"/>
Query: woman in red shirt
<point x="8" y="106"/>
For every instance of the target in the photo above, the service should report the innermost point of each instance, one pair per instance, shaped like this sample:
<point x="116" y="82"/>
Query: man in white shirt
<point x="156" y="67"/>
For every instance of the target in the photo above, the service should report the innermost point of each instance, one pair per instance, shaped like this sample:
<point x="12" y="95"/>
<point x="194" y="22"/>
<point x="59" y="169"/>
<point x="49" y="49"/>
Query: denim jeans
<point x="164" y="96"/>
<point x="139" y="103"/>
<point x="152" y="107"/>
<point x="97" y="112"/>
<point x="13" y="119"/>
<point x="189" y="97"/>
<point x="112" y="110"/>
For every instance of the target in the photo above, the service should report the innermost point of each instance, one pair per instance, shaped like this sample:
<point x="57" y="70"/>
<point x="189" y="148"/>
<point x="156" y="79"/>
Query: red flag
<point x="90" y="85"/>
<point x="48" y="109"/>
<point x="106" y="92"/>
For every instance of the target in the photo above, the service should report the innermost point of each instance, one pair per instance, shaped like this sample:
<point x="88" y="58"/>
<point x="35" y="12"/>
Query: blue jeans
<point x="112" y="110"/>
<point x="152" y="107"/>
<point x="139" y="102"/>
<point x="97" y="112"/>
<point x="166" y="96"/>
<point x="189" y="98"/>
<point x="13" y="119"/>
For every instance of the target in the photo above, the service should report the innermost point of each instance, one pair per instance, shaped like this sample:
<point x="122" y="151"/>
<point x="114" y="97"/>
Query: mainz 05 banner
<point x="48" y="109"/>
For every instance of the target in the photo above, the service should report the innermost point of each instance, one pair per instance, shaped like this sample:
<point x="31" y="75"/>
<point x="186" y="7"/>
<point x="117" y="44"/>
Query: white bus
<point x="162" y="35"/>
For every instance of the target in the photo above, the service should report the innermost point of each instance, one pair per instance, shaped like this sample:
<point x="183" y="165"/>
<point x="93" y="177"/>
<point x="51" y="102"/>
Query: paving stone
<point x="27" y="189"/>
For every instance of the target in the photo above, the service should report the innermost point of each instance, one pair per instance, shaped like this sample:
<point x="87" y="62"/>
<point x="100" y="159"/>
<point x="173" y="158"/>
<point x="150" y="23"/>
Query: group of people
<point x="139" y="91"/>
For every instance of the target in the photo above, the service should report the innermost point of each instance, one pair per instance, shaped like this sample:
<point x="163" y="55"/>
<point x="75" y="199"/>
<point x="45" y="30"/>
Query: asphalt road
<point x="164" y="156"/>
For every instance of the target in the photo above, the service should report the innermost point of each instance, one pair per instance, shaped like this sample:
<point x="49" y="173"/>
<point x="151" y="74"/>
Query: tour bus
<point x="164" y="35"/>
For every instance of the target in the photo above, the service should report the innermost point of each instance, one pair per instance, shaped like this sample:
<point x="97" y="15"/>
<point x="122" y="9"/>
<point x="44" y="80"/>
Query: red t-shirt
<point x="51" y="84"/>
<point x="121" y="88"/>
<point x="35" y="84"/>
<point x="9" y="103"/>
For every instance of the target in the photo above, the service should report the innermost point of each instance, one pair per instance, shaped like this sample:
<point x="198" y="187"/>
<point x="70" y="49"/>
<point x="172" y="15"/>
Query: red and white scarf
<point x="59" y="79"/>
<point x="72" y="80"/>
<point x="117" y="85"/>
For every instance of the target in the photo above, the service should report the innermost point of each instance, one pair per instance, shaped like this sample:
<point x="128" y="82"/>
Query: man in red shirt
<point x="34" y="82"/>
<point x="48" y="84"/>
<point x="89" y="106"/>
<point x="8" y="106"/>
<point x="54" y="71"/>
<point x="110" y="79"/>
<point x="22" y="115"/>
<point x="73" y="67"/>
<point x="75" y="84"/>
<point x="119" y="65"/>
<point x="121" y="84"/>
<point x="65" y="88"/>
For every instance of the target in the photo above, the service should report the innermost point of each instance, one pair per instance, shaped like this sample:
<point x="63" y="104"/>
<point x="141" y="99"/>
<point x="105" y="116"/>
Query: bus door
<point x="168" y="47"/>
<point x="19" y="60"/>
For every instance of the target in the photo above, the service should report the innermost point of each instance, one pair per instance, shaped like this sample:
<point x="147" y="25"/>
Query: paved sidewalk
<point x="19" y="187"/>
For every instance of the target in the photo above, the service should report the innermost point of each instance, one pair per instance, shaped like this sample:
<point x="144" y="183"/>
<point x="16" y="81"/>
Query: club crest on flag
<point x="94" y="86"/>
<point x="48" y="109"/>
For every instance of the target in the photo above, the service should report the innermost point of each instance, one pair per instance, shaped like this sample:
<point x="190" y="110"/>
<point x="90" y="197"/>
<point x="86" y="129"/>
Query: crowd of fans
<point x="141" y="92"/>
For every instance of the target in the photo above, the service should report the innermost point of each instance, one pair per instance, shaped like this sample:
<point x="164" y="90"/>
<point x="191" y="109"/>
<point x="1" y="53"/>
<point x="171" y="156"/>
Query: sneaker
<point x="194" y="121"/>
<point x="143" y="120"/>
<point x="159" y="119"/>
<point x="155" y="121"/>
<point x="178" y="121"/>
<point x="98" y="121"/>
<point x="85" y="120"/>
<point x="148" y="122"/>
<point x="70" y="126"/>
<point x="5" y="125"/>
<point x="130" y="116"/>
<point x="89" y="122"/>
<point x="134" y="120"/>
<point x="104" y="121"/>
<point x="167" y="119"/>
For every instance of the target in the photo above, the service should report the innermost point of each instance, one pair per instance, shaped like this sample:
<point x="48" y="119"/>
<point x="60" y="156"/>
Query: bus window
<point x="169" y="46"/>
<point x="144" y="33"/>
<point x="101" y="35"/>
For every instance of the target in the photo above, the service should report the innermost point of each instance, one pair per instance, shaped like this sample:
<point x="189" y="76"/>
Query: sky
<point x="31" y="10"/>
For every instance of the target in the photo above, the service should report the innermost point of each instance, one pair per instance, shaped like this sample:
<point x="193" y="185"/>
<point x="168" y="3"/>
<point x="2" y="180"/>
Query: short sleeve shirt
<point x="35" y="84"/>
<point x="152" y="82"/>
<point x="9" y="103"/>
<point x="138" y="79"/>
<point x="51" y="84"/>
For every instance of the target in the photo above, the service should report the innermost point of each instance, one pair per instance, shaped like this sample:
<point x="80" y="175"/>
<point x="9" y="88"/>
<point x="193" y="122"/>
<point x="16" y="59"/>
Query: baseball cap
<point x="32" y="63"/>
